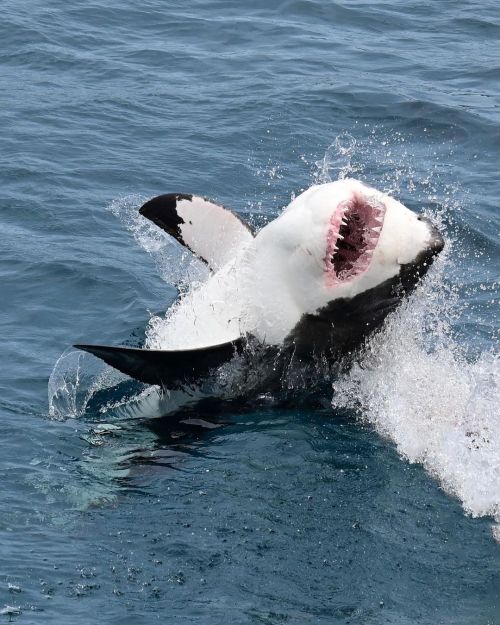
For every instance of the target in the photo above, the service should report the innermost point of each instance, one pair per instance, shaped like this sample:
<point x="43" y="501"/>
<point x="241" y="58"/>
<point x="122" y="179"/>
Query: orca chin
<point x="353" y="234"/>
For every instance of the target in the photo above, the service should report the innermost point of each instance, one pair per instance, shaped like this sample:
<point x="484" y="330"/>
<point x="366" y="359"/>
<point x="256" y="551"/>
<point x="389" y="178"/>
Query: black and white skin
<point x="312" y="284"/>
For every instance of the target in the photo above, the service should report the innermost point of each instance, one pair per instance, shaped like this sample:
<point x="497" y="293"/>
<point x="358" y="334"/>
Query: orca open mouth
<point x="352" y="237"/>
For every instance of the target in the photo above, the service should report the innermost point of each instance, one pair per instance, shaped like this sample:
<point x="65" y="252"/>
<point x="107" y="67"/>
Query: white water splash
<point x="415" y="383"/>
<point x="337" y="162"/>
<point x="416" y="386"/>
<point x="64" y="384"/>
<point x="75" y="379"/>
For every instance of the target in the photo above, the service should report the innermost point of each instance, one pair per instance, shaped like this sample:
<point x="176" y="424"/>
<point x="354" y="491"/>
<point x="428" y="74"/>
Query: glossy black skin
<point x="162" y="211"/>
<point x="171" y="369"/>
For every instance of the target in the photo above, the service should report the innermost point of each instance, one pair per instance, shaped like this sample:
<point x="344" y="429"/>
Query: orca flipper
<point x="169" y="368"/>
<point x="211" y="232"/>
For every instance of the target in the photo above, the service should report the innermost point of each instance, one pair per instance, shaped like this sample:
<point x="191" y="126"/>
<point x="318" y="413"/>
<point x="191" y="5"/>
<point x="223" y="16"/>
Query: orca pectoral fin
<point x="211" y="232"/>
<point x="168" y="368"/>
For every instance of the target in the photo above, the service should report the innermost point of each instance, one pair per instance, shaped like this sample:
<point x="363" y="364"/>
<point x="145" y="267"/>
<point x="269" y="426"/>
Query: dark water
<point x="265" y="515"/>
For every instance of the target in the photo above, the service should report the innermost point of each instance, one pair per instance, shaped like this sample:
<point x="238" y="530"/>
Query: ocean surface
<point x="381" y="507"/>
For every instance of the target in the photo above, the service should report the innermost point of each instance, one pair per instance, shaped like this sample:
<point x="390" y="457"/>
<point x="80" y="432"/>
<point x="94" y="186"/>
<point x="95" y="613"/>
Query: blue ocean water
<point x="382" y="508"/>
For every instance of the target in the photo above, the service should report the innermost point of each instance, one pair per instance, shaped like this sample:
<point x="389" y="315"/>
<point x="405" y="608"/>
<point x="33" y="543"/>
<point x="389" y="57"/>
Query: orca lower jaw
<point x="352" y="237"/>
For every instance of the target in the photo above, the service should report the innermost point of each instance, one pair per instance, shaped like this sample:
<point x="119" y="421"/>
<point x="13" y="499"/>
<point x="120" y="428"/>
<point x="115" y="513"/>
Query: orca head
<point x="334" y="243"/>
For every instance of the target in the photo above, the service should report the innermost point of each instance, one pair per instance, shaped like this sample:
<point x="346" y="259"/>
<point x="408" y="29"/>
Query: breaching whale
<point x="313" y="283"/>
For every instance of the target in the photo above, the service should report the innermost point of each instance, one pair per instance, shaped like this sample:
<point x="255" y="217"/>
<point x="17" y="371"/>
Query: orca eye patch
<point x="352" y="237"/>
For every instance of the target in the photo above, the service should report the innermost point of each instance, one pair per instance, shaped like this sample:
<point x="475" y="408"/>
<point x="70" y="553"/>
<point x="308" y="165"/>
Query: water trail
<point x="415" y="385"/>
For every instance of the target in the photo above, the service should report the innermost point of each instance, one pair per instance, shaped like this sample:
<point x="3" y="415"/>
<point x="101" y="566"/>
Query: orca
<point x="311" y="285"/>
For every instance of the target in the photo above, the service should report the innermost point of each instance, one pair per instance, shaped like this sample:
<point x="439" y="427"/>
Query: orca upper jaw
<point x="353" y="234"/>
